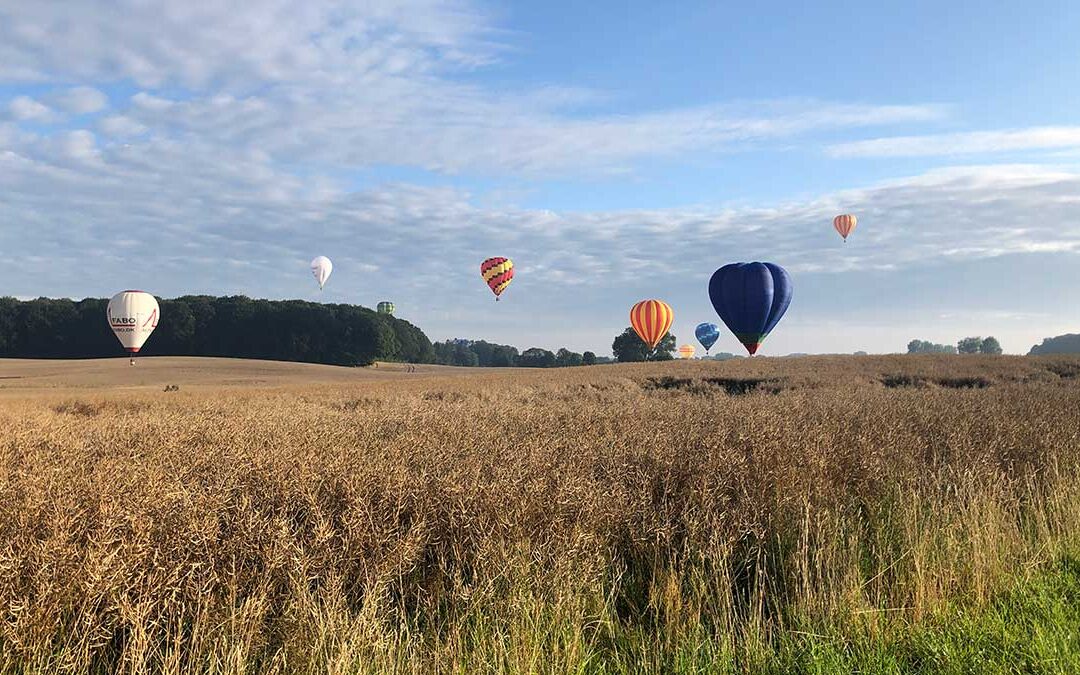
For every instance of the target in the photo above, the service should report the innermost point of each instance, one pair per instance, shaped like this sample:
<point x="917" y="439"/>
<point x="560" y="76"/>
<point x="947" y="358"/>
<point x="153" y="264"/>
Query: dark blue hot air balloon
<point x="750" y="298"/>
<point x="707" y="334"/>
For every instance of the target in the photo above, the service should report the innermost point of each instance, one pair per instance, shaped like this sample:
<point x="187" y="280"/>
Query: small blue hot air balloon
<point x="707" y="334"/>
<point x="750" y="298"/>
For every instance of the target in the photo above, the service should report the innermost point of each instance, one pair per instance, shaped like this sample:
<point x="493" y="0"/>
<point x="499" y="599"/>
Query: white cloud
<point x="81" y="100"/>
<point x="358" y="85"/>
<point x="78" y="145"/>
<point x="121" y="125"/>
<point x="209" y="201"/>
<point x="979" y="142"/>
<point x="440" y="127"/>
<point x="204" y="43"/>
<point x="24" y="108"/>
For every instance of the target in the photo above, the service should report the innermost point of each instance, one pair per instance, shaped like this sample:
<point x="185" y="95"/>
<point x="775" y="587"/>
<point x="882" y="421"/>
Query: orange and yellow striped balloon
<point x="651" y="320"/>
<point x="844" y="224"/>
<point x="687" y="351"/>
<point x="497" y="273"/>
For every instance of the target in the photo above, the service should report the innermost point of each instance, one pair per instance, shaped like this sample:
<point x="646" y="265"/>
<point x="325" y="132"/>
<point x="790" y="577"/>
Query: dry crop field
<point x="823" y="514"/>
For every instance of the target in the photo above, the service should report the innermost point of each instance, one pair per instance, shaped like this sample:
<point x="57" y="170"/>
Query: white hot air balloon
<point x="321" y="268"/>
<point x="133" y="315"/>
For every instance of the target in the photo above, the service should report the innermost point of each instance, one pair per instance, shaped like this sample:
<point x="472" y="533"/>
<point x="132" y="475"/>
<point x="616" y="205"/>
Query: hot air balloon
<point x="321" y="267"/>
<point x="844" y="224"/>
<point x="651" y="320"/>
<point x="385" y="307"/>
<point x="132" y="315"/>
<point x="707" y="334"/>
<point x="497" y="273"/>
<point x="687" y="351"/>
<point x="750" y="298"/>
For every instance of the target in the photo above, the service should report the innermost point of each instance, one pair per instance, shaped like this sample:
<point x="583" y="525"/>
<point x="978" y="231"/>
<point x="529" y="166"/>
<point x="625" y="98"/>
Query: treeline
<point x="200" y="325"/>
<point x="1062" y="344"/>
<point x="968" y="345"/>
<point x="478" y="353"/>
<point x="927" y="347"/>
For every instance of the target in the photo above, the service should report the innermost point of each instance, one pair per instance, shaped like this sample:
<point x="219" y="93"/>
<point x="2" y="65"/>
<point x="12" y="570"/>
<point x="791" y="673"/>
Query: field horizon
<point x="21" y="375"/>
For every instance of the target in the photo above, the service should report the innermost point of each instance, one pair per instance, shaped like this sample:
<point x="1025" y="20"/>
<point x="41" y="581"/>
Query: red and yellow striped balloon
<point x="497" y="273"/>
<point x="651" y="320"/>
<point x="844" y="224"/>
<point x="687" y="351"/>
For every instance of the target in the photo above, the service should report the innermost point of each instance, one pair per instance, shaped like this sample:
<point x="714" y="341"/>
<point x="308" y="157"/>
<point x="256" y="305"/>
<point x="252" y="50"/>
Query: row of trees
<point x="201" y="325"/>
<point x="968" y="345"/>
<point x="927" y="347"/>
<point x="1062" y="344"/>
<point x="478" y="353"/>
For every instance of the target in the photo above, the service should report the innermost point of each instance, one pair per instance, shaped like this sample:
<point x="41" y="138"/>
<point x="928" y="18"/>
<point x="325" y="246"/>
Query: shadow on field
<point x="919" y="382"/>
<point x="1065" y="371"/>
<point x="732" y="386"/>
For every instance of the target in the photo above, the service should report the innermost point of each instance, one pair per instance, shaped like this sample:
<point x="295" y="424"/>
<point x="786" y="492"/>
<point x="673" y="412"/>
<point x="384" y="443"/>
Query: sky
<point x="615" y="151"/>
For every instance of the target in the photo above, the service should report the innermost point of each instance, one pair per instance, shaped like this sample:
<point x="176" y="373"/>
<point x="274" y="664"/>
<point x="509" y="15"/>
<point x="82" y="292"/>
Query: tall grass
<point x="608" y="519"/>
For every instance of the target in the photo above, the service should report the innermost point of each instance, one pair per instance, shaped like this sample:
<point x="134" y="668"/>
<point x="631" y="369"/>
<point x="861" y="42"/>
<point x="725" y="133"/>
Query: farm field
<point x="157" y="372"/>
<point x="816" y="514"/>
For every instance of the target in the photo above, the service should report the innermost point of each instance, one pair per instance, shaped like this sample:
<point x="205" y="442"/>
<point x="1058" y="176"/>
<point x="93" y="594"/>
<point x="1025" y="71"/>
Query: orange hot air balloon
<point x="844" y="224"/>
<point x="687" y="351"/>
<point x="651" y="320"/>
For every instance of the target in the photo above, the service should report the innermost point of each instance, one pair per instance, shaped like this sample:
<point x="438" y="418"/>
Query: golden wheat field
<point x="757" y="515"/>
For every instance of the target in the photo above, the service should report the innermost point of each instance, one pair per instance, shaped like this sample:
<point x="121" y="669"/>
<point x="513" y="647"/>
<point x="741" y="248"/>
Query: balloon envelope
<point x="844" y="224"/>
<point x="707" y="334"/>
<point x="321" y="267"/>
<point x="498" y="272"/>
<point x="651" y="320"/>
<point x="385" y="307"/>
<point x="132" y="315"/>
<point x="687" y="351"/>
<point x="750" y="298"/>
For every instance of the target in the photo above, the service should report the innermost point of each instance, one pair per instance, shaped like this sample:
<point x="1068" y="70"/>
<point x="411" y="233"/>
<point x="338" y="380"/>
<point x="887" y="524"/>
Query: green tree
<point x="463" y="355"/>
<point x="588" y="359"/>
<point x="504" y="356"/>
<point x="1062" y="344"/>
<point x="565" y="358"/>
<point x="536" y="357"/>
<point x="927" y="347"/>
<point x="628" y="347"/>
<point x="969" y="345"/>
<point x="990" y="346"/>
<point x="485" y="351"/>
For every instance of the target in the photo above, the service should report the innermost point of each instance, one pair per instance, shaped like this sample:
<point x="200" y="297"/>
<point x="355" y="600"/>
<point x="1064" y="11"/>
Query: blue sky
<point x="615" y="151"/>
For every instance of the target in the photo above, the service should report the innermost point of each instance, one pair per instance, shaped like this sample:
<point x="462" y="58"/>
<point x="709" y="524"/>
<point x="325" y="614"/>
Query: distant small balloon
<point x="707" y="334"/>
<point x="385" y="307"/>
<point x="321" y="267"/>
<point x="132" y="316"/>
<point x="844" y="224"/>
<point x="687" y="351"/>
